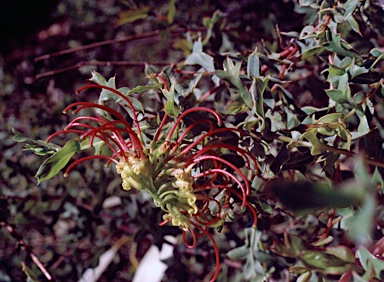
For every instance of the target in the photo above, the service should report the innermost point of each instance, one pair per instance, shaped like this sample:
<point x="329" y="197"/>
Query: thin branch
<point x="99" y="44"/>
<point x="100" y="63"/>
<point x="156" y="33"/>
<point x="24" y="246"/>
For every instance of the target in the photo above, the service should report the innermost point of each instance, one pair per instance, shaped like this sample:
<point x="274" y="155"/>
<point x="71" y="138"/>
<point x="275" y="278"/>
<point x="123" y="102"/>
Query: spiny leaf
<point x="336" y="46"/>
<point x="369" y="262"/>
<point x="198" y="57"/>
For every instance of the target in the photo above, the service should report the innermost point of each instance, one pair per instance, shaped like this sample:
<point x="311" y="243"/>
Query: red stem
<point x="221" y="171"/>
<point x="86" y="159"/>
<point x="215" y="248"/>
<point x="235" y="168"/>
<point x="193" y="239"/>
<point x="243" y="152"/>
<point x="135" y="139"/>
<point x="190" y="111"/>
<point x="125" y="98"/>
<point x="163" y="80"/>
<point x="209" y="133"/>
<point x="159" y="129"/>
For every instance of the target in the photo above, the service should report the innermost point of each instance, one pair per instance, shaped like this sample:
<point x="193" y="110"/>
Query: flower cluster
<point x="183" y="173"/>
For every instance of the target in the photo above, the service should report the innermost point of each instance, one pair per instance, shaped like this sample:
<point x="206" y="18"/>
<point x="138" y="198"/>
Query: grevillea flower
<point x="183" y="173"/>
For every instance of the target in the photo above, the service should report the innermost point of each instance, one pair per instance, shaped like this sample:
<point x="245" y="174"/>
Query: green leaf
<point x="336" y="71"/>
<point x="257" y="94"/>
<point x="198" y="57"/>
<point x="239" y="253"/>
<point x="38" y="147"/>
<point x="132" y="15"/>
<point x="336" y="46"/>
<point x="98" y="78"/>
<point x="253" y="66"/>
<point x="317" y="146"/>
<point x="342" y="252"/>
<point x="277" y="122"/>
<point x="354" y="24"/>
<point x="304" y="277"/>
<point x="323" y="262"/>
<point x="369" y="262"/>
<point x="31" y="276"/>
<point x="307" y="2"/>
<point x="376" y="52"/>
<point x="141" y="89"/>
<point x="234" y="108"/>
<point x="171" y="109"/>
<point x="330" y="118"/>
<point x="356" y="70"/>
<point x="231" y="73"/>
<point x="312" y="51"/>
<point x="362" y="226"/>
<point x="350" y="7"/>
<point x="171" y="11"/>
<point x="337" y="95"/>
<point x="51" y="166"/>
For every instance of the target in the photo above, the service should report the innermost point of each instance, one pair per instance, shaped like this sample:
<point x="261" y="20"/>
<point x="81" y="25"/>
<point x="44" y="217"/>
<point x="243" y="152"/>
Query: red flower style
<point x="184" y="174"/>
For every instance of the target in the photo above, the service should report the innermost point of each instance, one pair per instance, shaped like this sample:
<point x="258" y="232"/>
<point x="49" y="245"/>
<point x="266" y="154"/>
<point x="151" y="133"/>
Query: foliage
<point x="283" y="133"/>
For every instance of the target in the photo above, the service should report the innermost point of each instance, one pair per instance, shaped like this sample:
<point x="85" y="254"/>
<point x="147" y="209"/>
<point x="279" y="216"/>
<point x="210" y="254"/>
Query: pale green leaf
<point x="171" y="109"/>
<point x="350" y="7"/>
<point x="337" y="95"/>
<point x="317" y="145"/>
<point x="362" y="227"/>
<point x="369" y="262"/>
<point x="253" y="66"/>
<point x="239" y="253"/>
<point x="198" y="57"/>
<point x="98" y="78"/>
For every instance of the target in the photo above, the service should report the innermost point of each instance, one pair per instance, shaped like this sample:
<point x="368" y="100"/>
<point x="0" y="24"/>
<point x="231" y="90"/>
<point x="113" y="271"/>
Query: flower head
<point x="183" y="173"/>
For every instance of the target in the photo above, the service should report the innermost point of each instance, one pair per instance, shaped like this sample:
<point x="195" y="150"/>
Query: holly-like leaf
<point x="337" y="95"/>
<point x="198" y="57"/>
<point x="231" y="74"/>
<point x="339" y="47"/>
<point x="51" y="166"/>
<point x="370" y="263"/>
